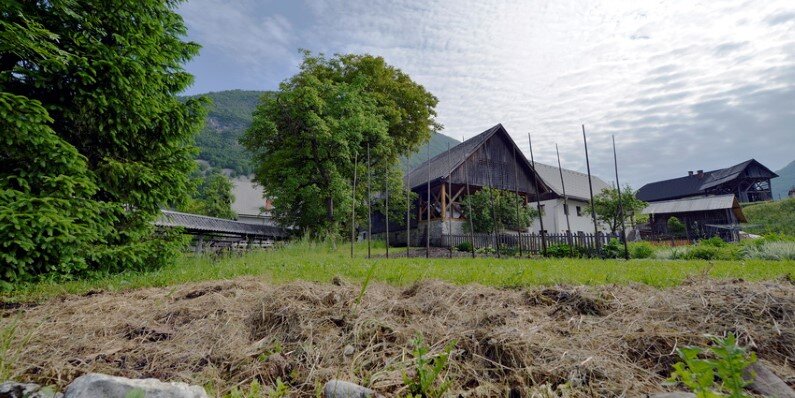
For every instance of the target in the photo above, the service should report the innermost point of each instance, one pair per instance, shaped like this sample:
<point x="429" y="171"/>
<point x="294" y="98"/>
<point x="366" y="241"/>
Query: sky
<point x="682" y="85"/>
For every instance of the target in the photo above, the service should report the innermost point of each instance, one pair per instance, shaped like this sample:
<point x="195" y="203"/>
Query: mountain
<point x="230" y="115"/>
<point x="785" y="181"/>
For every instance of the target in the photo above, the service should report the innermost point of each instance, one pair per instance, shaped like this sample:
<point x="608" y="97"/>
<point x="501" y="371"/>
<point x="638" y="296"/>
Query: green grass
<point x="771" y="217"/>
<point x="318" y="262"/>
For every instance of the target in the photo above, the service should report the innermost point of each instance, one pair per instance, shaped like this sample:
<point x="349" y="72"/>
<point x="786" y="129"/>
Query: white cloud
<point x="682" y="85"/>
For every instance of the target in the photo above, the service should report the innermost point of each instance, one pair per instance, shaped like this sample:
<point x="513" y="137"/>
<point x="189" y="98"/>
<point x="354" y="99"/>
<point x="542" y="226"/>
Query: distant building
<point x="250" y="205"/>
<point x="749" y="181"/>
<point x="707" y="203"/>
<point x="791" y="193"/>
<point x="578" y="195"/>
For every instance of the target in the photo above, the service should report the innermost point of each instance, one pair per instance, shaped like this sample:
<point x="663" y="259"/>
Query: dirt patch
<point x="596" y="341"/>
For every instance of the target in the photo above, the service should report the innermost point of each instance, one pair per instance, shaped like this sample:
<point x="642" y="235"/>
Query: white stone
<point x="95" y="385"/>
<point x="344" y="389"/>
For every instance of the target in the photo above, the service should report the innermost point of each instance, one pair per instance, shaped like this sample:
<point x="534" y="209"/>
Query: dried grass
<point x="595" y="341"/>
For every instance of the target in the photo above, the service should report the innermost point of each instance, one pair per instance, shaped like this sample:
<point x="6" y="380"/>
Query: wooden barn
<point x="490" y="158"/>
<point x="749" y="181"/>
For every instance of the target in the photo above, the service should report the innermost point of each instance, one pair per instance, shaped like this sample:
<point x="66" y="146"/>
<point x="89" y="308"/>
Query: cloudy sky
<point x="683" y="85"/>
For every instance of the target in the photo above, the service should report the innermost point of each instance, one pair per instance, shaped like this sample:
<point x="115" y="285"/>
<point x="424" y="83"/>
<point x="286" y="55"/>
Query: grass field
<point x="319" y="262"/>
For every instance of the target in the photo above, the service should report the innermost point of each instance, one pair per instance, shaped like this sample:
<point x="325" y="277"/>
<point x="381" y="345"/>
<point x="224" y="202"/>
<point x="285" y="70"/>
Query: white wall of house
<point x="555" y="218"/>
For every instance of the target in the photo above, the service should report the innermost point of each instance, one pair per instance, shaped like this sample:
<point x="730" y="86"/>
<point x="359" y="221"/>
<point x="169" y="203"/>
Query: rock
<point x="767" y="383"/>
<point x="344" y="389"/>
<point x="672" y="395"/>
<point x="95" y="385"/>
<point x="12" y="389"/>
<point x="348" y="350"/>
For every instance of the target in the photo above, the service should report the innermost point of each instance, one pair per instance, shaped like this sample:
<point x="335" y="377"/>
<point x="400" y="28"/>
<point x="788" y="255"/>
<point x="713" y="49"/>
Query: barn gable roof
<point x="203" y="224"/>
<point x="445" y="163"/>
<point x="694" y="185"/>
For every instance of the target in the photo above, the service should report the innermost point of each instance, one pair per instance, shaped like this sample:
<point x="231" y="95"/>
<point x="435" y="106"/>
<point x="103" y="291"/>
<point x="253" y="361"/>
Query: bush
<point x="713" y="242"/>
<point x="464" y="247"/>
<point x="613" y="249"/>
<point x="641" y="250"/>
<point x="702" y="253"/>
<point x="560" y="251"/>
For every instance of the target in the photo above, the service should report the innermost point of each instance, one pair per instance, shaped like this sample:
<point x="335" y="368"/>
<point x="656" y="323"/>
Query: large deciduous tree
<point x="98" y="140"/>
<point x="606" y="204"/>
<point x="307" y="137"/>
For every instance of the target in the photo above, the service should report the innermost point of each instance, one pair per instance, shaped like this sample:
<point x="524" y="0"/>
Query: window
<point x="579" y="211"/>
<point x="541" y="209"/>
<point x="566" y="209"/>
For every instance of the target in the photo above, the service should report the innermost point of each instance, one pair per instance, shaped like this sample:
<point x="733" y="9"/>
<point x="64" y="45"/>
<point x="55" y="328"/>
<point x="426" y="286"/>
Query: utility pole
<point x="491" y="199"/>
<point x="565" y="202"/>
<point x="428" y="208"/>
<point x="450" y="202"/>
<point x="353" y="202"/>
<point x="469" y="208"/>
<point x="369" y="204"/>
<point x="538" y="199"/>
<point x="620" y="203"/>
<point x="516" y="188"/>
<point x="408" y="211"/>
<point x="590" y="187"/>
<point x="386" y="205"/>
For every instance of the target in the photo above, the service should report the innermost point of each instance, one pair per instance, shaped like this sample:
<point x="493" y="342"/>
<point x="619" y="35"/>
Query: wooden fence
<point x="525" y="243"/>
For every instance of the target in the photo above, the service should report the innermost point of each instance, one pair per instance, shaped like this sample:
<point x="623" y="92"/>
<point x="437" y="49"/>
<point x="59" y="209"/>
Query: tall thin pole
<point x="565" y="201"/>
<point x="620" y="203"/>
<point x="590" y="187"/>
<point x="516" y="188"/>
<point x="491" y="199"/>
<point x="428" y="207"/>
<point x="353" y="204"/>
<point x="538" y="198"/>
<point x="369" y="204"/>
<point x="386" y="204"/>
<point x="408" y="211"/>
<point x="450" y="201"/>
<point x="469" y="208"/>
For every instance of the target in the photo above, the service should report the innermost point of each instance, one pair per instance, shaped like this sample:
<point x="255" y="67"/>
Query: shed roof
<point x="199" y="223"/>
<point x="576" y="182"/>
<point x="694" y="185"/>
<point x="686" y="205"/>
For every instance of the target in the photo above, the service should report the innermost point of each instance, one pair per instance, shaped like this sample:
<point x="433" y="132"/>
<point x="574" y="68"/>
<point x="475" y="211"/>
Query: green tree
<point x="606" y="204"/>
<point x="506" y="204"/>
<point x="98" y="81"/>
<point x="307" y="137"/>
<point x="675" y="226"/>
<point x="212" y="196"/>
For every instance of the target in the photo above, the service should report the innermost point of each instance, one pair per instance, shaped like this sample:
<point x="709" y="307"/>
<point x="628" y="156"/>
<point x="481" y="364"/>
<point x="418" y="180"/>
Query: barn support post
<point x="538" y="199"/>
<point x="199" y="242"/>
